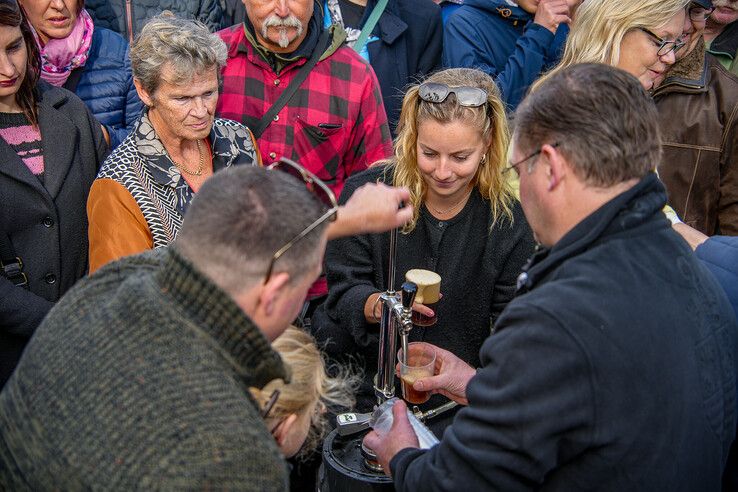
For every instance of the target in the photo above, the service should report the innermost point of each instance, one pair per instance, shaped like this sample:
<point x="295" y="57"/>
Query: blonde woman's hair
<point x="491" y="121"/>
<point x="600" y="26"/>
<point x="309" y="384"/>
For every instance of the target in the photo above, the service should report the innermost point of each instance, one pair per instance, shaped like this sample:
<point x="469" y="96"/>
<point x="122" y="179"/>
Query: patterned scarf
<point x="60" y="56"/>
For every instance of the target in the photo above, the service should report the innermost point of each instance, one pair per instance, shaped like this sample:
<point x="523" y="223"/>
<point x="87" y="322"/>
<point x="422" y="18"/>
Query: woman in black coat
<point x="468" y="227"/>
<point x="50" y="150"/>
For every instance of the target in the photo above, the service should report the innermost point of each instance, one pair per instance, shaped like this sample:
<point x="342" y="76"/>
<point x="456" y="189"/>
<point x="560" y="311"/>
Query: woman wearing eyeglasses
<point x="467" y="226"/>
<point x="639" y="36"/>
<point x="660" y="43"/>
<point x="295" y="412"/>
<point x="698" y="105"/>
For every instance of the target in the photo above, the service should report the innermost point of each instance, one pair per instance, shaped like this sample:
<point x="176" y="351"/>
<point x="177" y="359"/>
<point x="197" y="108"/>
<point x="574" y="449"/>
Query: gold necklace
<point x="444" y="212"/>
<point x="200" y="166"/>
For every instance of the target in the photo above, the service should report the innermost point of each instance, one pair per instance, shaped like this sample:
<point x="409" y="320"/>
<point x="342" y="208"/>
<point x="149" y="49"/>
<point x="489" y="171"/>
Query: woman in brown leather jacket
<point x="659" y="42"/>
<point x="698" y="104"/>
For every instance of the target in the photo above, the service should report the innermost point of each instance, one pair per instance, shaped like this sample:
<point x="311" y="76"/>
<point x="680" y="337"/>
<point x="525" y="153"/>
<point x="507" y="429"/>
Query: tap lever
<point x="433" y="412"/>
<point x="409" y="289"/>
<point x="351" y="423"/>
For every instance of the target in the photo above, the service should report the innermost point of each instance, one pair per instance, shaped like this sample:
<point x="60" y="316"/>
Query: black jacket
<point x="478" y="268"/>
<point x="614" y="369"/>
<point x="46" y="223"/>
<point x="122" y="15"/>
<point x="410" y="44"/>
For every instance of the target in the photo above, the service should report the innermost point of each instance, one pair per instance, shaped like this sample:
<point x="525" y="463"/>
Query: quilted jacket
<point x="127" y="17"/>
<point x="106" y="85"/>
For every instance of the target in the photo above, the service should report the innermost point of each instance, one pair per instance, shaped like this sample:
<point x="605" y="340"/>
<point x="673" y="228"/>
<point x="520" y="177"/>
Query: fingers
<point x="404" y="215"/>
<point x="423" y="309"/>
<point x="403" y="194"/>
<point x="372" y="440"/>
<point x="432" y="383"/>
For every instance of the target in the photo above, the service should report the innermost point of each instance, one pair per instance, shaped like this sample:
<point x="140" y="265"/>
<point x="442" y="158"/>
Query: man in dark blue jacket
<point x="513" y="41"/>
<point x="404" y="46"/>
<point x="614" y="368"/>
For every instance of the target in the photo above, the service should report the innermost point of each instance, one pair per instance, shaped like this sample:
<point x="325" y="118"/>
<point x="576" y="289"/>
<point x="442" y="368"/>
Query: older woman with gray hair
<point x="145" y="186"/>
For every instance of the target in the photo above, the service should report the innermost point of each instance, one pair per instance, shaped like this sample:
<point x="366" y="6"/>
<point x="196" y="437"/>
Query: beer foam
<point x="422" y="277"/>
<point x="428" y="282"/>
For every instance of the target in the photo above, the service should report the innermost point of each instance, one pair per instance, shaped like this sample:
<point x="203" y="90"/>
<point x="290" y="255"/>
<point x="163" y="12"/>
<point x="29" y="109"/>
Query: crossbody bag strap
<point x="12" y="265"/>
<point x="366" y="31"/>
<point x="294" y="85"/>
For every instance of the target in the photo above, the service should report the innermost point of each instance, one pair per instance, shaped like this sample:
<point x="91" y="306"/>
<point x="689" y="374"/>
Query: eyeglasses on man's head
<point x="665" y="46"/>
<point x="435" y="92"/>
<point x="270" y="404"/>
<point x="315" y="186"/>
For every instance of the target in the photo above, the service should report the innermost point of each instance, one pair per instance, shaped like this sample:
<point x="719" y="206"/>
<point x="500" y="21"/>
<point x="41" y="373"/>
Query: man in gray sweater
<point x="139" y="378"/>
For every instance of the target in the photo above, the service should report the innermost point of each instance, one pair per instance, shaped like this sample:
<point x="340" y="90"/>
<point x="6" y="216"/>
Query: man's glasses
<point x="665" y="46"/>
<point x="515" y="165"/>
<point x="435" y="92"/>
<point x="314" y="186"/>
<point x="698" y="13"/>
<point x="270" y="404"/>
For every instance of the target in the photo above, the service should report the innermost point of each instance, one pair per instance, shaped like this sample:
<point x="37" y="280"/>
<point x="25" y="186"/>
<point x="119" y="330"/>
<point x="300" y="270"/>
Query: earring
<point x="483" y="160"/>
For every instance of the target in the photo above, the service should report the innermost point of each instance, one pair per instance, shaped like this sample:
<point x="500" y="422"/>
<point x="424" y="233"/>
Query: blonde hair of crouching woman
<point x="296" y="412"/>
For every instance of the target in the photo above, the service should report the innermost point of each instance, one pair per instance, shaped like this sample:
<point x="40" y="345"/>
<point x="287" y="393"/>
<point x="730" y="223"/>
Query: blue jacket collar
<point x="501" y="8"/>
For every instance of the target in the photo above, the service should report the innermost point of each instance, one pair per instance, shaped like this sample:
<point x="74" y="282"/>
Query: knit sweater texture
<point x="138" y="379"/>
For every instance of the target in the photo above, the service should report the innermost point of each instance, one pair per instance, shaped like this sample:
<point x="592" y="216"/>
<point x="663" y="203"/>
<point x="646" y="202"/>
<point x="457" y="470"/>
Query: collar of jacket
<point x="726" y="43"/>
<point x="626" y="211"/>
<point x="502" y="9"/>
<point x="279" y="61"/>
<point x="220" y="318"/>
<point x="57" y="130"/>
<point x="154" y="156"/>
<point x="689" y="74"/>
<point x="390" y="26"/>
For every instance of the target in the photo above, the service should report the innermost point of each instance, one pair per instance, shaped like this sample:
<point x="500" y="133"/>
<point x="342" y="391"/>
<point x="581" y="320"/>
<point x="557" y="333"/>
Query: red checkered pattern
<point x="335" y="125"/>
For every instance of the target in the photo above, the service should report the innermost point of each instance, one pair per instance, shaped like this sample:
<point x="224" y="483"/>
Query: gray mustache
<point x="274" y="21"/>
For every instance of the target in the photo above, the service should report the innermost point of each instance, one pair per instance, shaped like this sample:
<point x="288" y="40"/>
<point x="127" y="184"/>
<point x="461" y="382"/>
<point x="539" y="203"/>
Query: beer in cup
<point x="420" y="363"/>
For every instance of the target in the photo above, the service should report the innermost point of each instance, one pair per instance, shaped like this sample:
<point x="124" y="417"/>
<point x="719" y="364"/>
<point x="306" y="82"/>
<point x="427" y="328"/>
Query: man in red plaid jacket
<point x="335" y="124"/>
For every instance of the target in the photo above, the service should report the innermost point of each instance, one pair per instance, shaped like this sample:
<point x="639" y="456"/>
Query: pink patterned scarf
<point x="60" y="56"/>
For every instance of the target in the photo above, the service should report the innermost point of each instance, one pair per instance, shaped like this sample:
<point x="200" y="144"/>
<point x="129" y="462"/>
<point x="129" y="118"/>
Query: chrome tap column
<point x="395" y="321"/>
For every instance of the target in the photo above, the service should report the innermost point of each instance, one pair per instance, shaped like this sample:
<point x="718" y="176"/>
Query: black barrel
<point x="343" y="468"/>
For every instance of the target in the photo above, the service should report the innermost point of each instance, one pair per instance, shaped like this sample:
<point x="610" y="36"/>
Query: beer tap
<point x="396" y="320"/>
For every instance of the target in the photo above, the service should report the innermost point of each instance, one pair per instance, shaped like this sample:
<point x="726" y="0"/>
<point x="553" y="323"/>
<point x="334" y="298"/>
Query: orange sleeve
<point x="117" y="227"/>
<point x="258" y="162"/>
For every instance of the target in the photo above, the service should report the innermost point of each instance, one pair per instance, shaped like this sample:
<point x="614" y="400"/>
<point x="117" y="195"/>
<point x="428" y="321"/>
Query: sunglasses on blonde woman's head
<point x="435" y="92"/>
<point x="315" y="186"/>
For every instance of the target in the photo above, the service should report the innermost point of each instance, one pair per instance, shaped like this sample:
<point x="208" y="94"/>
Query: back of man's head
<point x="240" y="217"/>
<point x="602" y="119"/>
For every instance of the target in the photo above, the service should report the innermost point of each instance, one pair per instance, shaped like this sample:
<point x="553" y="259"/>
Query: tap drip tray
<point x="344" y="467"/>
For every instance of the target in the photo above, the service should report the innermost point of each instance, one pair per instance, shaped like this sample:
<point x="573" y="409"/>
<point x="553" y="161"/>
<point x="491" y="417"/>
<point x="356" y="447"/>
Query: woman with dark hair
<point x="90" y="61"/>
<point x="50" y="150"/>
